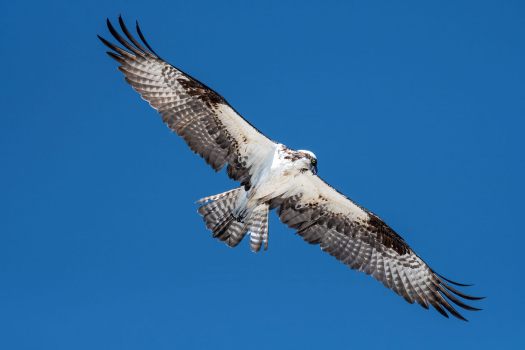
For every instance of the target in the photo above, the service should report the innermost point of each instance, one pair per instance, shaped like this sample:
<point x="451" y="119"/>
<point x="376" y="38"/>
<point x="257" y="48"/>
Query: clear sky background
<point x="416" y="111"/>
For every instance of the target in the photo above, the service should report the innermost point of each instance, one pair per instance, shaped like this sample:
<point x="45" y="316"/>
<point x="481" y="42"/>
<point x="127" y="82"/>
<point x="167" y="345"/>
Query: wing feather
<point x="361" y="240"/>
<point x="203" y="118"/>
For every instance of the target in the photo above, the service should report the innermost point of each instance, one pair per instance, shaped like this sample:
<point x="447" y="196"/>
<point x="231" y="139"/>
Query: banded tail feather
<point x="220" y="213"/>
<point x="258" y="227"/>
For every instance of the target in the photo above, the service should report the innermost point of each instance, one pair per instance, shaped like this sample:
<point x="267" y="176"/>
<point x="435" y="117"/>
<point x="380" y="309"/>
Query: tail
<point x="221" y="215"/>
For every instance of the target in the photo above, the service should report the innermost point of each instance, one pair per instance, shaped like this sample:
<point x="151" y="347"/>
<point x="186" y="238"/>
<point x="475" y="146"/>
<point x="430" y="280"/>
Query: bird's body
<point x="276" y="176"/>
<point x="272" y="176"/>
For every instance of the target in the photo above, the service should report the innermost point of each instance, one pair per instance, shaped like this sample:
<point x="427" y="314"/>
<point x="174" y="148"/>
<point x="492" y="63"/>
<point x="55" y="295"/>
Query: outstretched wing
<point x="208" y="124"/>
<point x="361" y="240"/>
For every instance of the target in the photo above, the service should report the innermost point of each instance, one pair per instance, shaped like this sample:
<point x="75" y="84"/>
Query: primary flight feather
<point x="273" y="176"/>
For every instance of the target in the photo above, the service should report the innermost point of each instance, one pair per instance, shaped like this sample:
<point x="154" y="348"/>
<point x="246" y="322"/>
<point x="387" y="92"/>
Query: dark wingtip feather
<point x="455" y="300"/>
<point x="460" y="316"/>
<point x="449" y="292"/>
<point x="440" y="309"/>
<point x="117" y="49"/>
<point x="107" y="43"/>
<point x="139" y="32"/>
<point x="455" y="313"/>
<point x="453" y="282"/>
<point x="109" y="25"/>
<point x="443" y="302"/>
<point x="111" y="54"/>
<point x="461" y="294"/>
<point x="116" y="57"/>
<point x="136" y="50"/>
<point x="131" y="37"/>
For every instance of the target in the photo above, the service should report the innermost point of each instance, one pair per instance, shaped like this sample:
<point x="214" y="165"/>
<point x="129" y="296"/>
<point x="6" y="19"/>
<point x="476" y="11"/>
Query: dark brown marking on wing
<point x="389" y="238"/>
<point x="208" y="96"/>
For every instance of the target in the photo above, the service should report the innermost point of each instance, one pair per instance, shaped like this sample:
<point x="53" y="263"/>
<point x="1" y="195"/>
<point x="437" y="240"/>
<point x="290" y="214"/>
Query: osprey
<point x="273" y="176"/>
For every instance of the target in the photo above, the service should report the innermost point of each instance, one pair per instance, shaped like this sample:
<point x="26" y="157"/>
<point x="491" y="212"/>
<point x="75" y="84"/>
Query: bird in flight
<point x="273" y="176"/>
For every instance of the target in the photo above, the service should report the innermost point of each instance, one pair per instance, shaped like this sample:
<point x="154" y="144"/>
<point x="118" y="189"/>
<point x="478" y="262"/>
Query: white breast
<point x="274" y="179"/>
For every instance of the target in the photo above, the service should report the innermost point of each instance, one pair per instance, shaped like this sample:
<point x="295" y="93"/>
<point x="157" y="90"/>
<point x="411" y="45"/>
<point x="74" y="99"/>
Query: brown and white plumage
<point x="207" y="123"/>
<point x="273" y="176"/>
<point x="361" y="240"/>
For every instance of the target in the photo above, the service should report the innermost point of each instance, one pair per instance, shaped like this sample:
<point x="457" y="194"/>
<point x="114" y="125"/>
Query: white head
<point x="309" y="160"/>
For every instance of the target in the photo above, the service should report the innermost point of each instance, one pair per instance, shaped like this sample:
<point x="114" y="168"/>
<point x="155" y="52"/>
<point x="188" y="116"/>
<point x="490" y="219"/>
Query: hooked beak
<point x="314" y="169"/>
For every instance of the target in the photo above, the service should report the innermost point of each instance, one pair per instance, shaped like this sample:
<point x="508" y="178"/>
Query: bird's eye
<point x="314" y="161"/>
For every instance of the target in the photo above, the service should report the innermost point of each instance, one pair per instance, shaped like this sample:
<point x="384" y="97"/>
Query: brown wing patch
<point x="208" y="96"/>
<point x="389" y="238"/>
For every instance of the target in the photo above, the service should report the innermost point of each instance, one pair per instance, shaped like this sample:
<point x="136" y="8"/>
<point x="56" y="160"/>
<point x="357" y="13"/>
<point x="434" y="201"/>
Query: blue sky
<point x="416" y="111"/>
